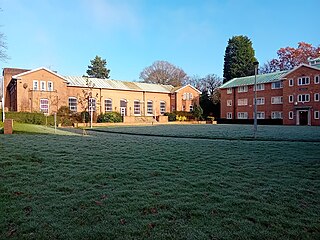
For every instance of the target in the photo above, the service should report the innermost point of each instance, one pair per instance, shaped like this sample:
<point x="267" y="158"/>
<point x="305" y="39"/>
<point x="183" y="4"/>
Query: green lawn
<point x="173" y="185"/>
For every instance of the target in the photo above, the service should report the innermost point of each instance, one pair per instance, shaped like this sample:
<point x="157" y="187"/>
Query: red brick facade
<point x="295" y="105"/>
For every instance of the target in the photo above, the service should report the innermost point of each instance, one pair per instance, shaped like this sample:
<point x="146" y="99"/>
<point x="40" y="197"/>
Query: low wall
<point x="8" y="126"/>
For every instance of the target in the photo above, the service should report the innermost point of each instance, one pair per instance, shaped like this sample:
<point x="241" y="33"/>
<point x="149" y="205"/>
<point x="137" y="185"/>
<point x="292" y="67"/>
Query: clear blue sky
<point x="64" y="35"/>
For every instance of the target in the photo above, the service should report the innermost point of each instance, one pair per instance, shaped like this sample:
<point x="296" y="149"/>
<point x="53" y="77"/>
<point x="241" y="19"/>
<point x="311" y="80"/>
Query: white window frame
<point x="316" y="114"/>
<point x="229" y="90"/>
<point x="242" y="115"/>
<point x="277" y="100"/>
<point x="260" y="115"/>
<point x="291" y="82"/>
<point x="229" y="103"/>
<point x="303" y="81"/>
<point x="35" y="85"/>
<point x="72" y="108"/>
<point x="42" y="85"/>
<point x="137" y="107"/>
<point x="291" y="115"/>
<point x="291" y="99"/>
<point x="50" y="89"/>
<point x="316" y="97"/>
<point x="242" y="89"/>
<point x="150" y="109"/>
<point x="92" y="104"/>
<point x="184" y="96"/>
<point x="260" y="87"/>
<point x="260" y="101"/>
<point x="108" y="105"/>
<point x="276" y="115"/>
<point x="316" y="79"/>
<point x="229" y="115"/>
<point x="274" y="85"/>
<point x="243" y="102"/>
<point x="304" y="98"/>
<point x="44" y="107"/>
<point x="162" y="107"/>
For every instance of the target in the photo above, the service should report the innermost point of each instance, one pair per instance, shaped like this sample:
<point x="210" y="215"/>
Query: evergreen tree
<point x="239" y="58"/>
<point x="98" y="68"/>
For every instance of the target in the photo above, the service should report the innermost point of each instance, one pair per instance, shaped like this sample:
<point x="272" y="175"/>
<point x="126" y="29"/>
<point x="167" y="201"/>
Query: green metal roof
<point x="249" y="80"/>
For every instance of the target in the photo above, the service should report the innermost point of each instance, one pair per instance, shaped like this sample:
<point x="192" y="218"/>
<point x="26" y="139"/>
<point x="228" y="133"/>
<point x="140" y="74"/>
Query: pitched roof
<point x="37" y="69"/>
<point x="117" y="85"/>
<point x="177" y="89"/>
<point x="302" y="65"/>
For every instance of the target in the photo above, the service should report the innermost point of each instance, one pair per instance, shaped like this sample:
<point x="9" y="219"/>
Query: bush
<point x="171" y="116"/>
<point x="32" y="118"/>
<point x="109" y="117"/>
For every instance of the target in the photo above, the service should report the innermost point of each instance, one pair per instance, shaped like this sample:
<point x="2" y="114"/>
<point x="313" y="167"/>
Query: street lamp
<point x="255" y="122"/>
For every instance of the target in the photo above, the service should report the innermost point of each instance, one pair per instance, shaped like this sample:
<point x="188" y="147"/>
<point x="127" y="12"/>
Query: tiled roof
<point x="118" y="85"/>
<point x="263" y="78"/>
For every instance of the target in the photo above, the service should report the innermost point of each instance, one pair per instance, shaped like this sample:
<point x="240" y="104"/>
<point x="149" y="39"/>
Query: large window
<point x="242" y="115"/>
<point x="136" y="107"/>
<point x="260" y="87"/>
<point x="35" y="85"/>
<point x="260" y="115"/>
<point x="44" y="105"/>
<point x="108" y="105"/>
<point x="243" y="89"/>
<point x="150" y="107"/>
<point x="50" y="86"/>
<point x="276" y="115"/>
<point x="162" y="107"/>
<point x="92" y="104"/>
<point x="72" y="104"/>
<point x="242" y="102"/>
<point x="42" y="85"/>
<point x="276" y="100"/>
<point x="187" y="96"/>
<point x="304" y="81"/>
<point x="303" y="97"/>
<point x="260" y="101"/>
<point x="276" y="85"/>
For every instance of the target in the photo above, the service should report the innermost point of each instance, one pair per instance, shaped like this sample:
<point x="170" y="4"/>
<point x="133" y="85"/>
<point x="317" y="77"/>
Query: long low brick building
<point x="287" y="97"/>
<point x="43" y="90"/>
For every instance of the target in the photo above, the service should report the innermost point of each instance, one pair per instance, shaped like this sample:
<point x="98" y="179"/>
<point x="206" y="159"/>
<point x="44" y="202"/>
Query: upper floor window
<point x="243" y="89"/>
<point x="316" y="97"/>
<point x="162" y="107"/>
<point x="260" y="101"/>
<point x="42" y="85"/>
<point x="72" y="104"/>
<point x="242" y="102"/>
<point x="187" y="96"/>
<point x="149" y="107"/>
<point x="316" y="79"/>
<point x="276" y="115"/>
<point x="304" y="81"/>
<point x="108" y="105"/>
<point x="260" y="87"/>
<point x="136" y="107"/>
<point x="229" y="103"/>
<point x="291" y="98"/>
<point x="276" y="100"/>
<point x="303" y="97"/>
<point x="229" y="90"/>
<point x="50" y="86"/>
<point x="35" y="85"/>
<point x="44" y="105"/>
<point x="291" y="82"/>
<point x="92" y="104"/>
<point x="277" y="85"/>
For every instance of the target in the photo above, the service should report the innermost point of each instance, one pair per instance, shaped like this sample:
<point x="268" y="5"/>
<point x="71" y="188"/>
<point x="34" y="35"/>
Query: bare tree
<point x="3" y="48"/>
<point x="163" y="72"/>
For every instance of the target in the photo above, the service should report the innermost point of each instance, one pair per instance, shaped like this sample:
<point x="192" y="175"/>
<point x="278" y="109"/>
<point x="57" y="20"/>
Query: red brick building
<point x="287" y="97"/>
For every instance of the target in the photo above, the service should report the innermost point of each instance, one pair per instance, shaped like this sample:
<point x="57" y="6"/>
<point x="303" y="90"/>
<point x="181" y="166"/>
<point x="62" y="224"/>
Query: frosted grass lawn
<point x="122" y="186"/>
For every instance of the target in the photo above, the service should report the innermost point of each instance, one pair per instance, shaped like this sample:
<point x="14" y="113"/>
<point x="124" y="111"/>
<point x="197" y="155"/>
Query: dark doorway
<point x="303" y="117"/>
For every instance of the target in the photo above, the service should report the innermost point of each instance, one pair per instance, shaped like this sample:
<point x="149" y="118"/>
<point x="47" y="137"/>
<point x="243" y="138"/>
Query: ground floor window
<point x="92" y="104"/>
<point x="72" y="104"/>
<point x="136" y="107"/>
<point x="162" y="107"/>
<point x="316" y="114"/>
<point x="191" y="108"/>
<point x="290" y="115"/>
<point x="149" y="107"/>
<point x="108" y="105"/>
<point x="276" y="115"/>
<point x="260" y="115"/>
<point x="229" y="115"/>
<point x="44" y="105"/>
<point x="242" y="115"/>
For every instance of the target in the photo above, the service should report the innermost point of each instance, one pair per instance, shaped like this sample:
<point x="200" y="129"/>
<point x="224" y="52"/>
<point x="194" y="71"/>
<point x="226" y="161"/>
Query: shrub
<point x="181" y="118"/>
<point x="32" y="118"/>
<point x="109" y="117"/>
<point x="171" y="116"/>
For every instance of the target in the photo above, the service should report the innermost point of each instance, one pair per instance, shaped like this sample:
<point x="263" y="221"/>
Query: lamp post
<point x="255" y="122"/>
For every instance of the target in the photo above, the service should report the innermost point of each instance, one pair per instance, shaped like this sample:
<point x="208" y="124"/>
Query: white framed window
<point x="92" y="104"/>
<point x="184" y="96"/>
<point x="42" y="85"/>
<point x="291" y="82"/>
<point x="277" y="85"/>
<point x="316" y="79"/>
<point x="260" y="101"/>
<point x="229" y="115"/>
<point x="316" y="97"/>
<point x="303" y="97"/>
<point x="183" y="107"/>
<point x="242" y="102"/>
<point x="243" y="89"/>
<point x="191" y="108"/>
<point x="35" y="85"/>
<point x="162" y="107"/>
<point x="291" y="99"/>
<point x="187" y="96"/>
<point x="304" y="81"/>
<point x="190" y="96"/>
<point x="242" y="115"/>
<point x="44" y="105"/>
<point x="108" y="105"/>
<point x="276" y="115"/>
<point x="136" y="107"/>
<point x="290" y="115"/>
<point x="260" y="87"/>
<point x="316" y="114"/>
<point x="229" y="90"/>
<point x="229" y="103"/>
<point x="73" y="104"/>
<point x="50" y="86"/>
<point x="260" y="115"/>
<point x="276" y="100"/>
<point x="150" y="107"/>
